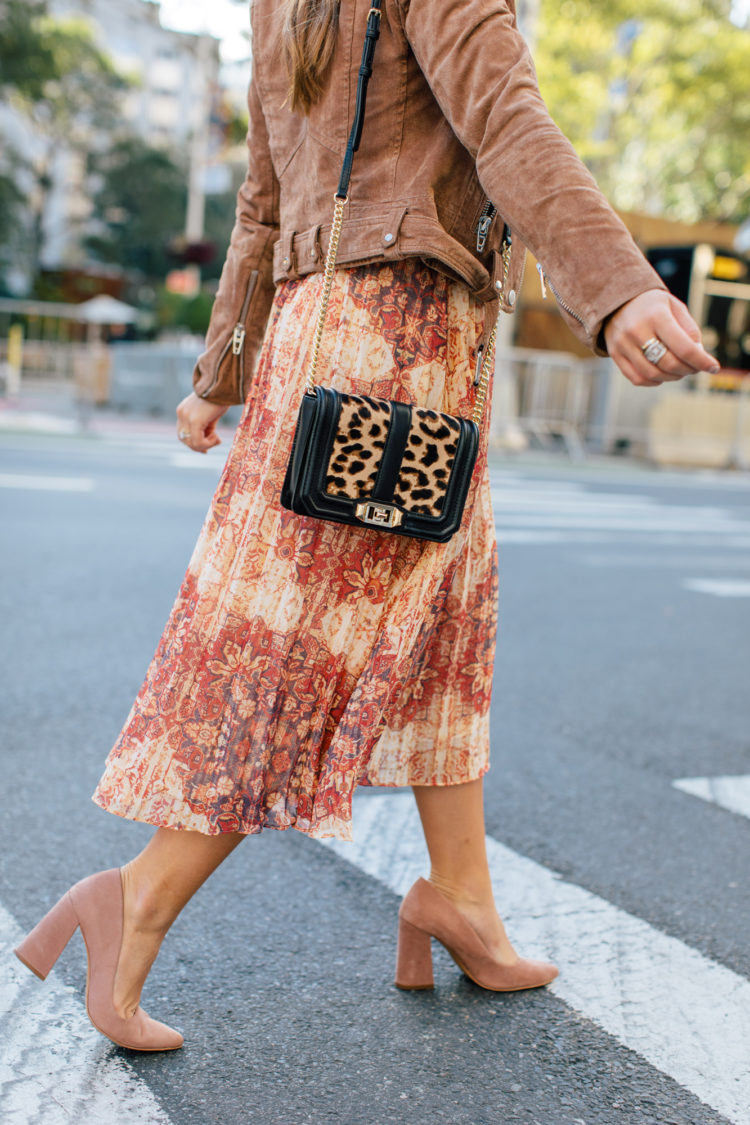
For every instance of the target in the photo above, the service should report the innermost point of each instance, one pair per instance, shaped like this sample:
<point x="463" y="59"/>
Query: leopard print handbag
<point x="375" y="462"/>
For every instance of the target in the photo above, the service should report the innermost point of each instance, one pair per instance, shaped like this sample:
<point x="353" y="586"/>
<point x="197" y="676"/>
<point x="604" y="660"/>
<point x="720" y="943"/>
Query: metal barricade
<point x="553" y="395"/>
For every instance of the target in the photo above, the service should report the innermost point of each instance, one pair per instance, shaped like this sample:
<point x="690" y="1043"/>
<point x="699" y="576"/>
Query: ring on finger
<point x="654" y="349"/>
<point x="183" y="435"/>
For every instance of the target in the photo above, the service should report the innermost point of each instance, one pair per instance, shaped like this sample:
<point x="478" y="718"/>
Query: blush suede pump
<point x="425" y="913"/>
<point x="96" y="906"/>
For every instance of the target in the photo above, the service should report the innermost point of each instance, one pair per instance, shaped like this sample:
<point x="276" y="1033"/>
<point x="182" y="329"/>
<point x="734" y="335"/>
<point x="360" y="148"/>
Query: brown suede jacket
<point x="455" y="127"/>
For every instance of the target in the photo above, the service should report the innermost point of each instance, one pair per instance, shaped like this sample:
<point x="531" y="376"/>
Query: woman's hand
<point x="656" y="315"/>
<point x="196" y="423"/>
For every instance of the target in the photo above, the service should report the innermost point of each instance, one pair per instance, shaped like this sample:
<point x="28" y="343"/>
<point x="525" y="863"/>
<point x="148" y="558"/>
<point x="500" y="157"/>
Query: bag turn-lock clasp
<point x="378" y="515"/>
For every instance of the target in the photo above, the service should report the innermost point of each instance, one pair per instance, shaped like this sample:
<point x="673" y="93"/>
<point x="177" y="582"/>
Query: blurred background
<point x="620" y="722"/>
<point x="122" y="130"/>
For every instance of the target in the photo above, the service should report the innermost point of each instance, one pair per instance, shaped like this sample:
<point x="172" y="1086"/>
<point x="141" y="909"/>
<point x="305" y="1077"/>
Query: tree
<point x="11" y="201"/>
<point x="56" y="77"/>
<point x="655" y="99"/>
<point x="26" y="60"/>
<point x="139" y="206"/>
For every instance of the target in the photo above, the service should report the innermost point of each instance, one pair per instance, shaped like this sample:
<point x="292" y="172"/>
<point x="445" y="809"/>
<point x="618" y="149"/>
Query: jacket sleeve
<point x="482" y="75"/>
<point x="246" y="289"/>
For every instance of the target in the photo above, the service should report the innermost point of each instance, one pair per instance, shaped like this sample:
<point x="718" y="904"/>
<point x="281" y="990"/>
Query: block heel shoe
<point x="96" y="906"/>
<point x="425" y="913"/>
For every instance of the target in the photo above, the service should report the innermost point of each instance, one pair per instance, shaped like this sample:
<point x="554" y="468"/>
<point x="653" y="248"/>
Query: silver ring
<point x="654" y="350"/>
<point x="184" y="435"/>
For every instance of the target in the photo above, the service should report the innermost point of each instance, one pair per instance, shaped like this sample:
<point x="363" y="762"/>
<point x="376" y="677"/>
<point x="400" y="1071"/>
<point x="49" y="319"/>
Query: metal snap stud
<point x="512" y="297"/>
<point x="387" y="238"/>
<point x="286" y="263"/>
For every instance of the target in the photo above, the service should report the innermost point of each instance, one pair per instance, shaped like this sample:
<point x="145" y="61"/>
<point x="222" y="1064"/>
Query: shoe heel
<point x="41" y="948"/>
<point x="414" y="958"/>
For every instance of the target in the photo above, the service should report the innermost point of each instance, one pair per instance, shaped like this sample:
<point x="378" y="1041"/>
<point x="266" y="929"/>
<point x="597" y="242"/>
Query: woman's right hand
<point x="658" y="314"/>
<point x="196" y="423"/>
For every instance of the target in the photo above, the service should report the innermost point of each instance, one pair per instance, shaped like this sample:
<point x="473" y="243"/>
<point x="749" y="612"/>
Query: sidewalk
<point x="52" y="409"/>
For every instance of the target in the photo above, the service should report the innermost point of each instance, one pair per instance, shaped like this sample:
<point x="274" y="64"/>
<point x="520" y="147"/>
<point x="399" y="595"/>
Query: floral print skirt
<point x="303" y="658"/>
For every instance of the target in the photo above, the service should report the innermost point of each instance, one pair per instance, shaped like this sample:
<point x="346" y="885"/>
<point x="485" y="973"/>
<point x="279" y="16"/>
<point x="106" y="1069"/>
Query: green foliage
<point x="11" y="202"/>
<point x="53" y="69"/>
<point x="655" y="98"/>
<point x="175" y="311"/>
<point x="26" y="59"/>
<point x="55" y="75"/>
<point x="219" y="222"/>
<point x="140" y="206"/>
<point x="85" y="90"/>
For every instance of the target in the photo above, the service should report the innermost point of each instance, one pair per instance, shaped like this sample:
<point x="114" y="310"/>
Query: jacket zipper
<point x="486" y="219"/>
<point x="523" y="272"/>
<point x="545" y="281"/>
<point x="238" y="339"/>
<point x="542" y="282"/>
<point x="236" y="342"/>
<point x="485" y="222"/>
<point x="478" y="369"/>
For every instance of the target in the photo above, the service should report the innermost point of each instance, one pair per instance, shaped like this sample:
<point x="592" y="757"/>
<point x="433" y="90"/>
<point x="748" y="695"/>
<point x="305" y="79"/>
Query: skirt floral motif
<point x="304" y="658"/>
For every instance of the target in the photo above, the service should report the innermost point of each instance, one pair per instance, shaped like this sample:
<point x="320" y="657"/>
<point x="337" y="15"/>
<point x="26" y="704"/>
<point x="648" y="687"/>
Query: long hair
<point x="308" y="36"/>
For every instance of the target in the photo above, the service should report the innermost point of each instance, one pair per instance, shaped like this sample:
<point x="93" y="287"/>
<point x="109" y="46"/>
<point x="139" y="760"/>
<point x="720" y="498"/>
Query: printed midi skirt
<point x="304" y="658"/>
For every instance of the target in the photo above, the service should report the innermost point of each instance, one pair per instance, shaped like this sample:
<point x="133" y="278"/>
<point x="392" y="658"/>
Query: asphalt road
<point x="622" y="668"/>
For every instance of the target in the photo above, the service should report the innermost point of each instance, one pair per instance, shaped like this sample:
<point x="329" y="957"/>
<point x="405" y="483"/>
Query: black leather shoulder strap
<point x="365" y="70"/>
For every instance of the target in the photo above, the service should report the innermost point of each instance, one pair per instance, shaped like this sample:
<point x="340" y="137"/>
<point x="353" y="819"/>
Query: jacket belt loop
<point x="288" y="259"/>
<point x="315" y="253"/>
<point x="497" y="274"/>
<point x="391" y="230"/>
<point x="491" y="312"/>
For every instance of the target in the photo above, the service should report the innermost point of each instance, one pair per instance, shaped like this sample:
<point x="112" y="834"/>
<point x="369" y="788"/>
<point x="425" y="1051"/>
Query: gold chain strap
<point x="488" y="359"/>
<point x="330" y="267"/>
<point x="333" y="246"/>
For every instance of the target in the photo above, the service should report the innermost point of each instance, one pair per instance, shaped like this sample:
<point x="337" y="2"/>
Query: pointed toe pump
<point x="96" y="906"/>
<point x="425" y="913"/>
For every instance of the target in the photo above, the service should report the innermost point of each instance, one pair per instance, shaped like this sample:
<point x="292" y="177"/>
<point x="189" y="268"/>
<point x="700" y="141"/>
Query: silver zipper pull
<point x="482" y="231"/>
<point x="238" y="339"/>
<point x="542" y="281"/>
<point x="480" y="359"/>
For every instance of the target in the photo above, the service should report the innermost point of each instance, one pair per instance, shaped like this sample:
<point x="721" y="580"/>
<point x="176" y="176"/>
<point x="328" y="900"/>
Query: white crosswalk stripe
<point x="685" y="1014"/>
<point x="537" y="511"/>
<point x="719" y="587"/>
<point x="731" y="793"/>
<point x="54" y="1067"/>
<point x="46" y="483"/>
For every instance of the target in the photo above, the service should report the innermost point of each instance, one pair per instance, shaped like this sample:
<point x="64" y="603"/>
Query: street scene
<point x="618" y="806"/>
<point x="617" y="802"/>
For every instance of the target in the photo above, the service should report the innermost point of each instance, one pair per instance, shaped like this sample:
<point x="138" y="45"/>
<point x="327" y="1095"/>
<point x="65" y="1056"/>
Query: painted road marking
<point x="197" y="461"/>
<point x="608" y="520"/>
<point x="732" y="793"/>
<point x="729" y="542"/>
<point x="46" y="484"/>
<point x="531" y="511"/>
<point x="653" y="559"/>
<point x="686" y="1015"/>
<point x="54" y="1067"/>
<point x="37" y="421"/>
<point x="719" y="587"/>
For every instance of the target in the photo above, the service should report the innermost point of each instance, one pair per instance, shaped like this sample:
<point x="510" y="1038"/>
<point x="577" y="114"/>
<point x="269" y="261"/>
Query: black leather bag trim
<point x="304" y="485"/>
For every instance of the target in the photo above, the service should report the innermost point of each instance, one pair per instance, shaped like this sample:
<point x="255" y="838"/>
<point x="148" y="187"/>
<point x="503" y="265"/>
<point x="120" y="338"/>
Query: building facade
<point x="174" y="80"/>
<point x="174" y="73"/>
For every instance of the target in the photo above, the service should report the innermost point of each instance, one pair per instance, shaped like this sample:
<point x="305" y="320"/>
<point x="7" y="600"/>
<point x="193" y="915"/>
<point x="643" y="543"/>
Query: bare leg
<point x="453" y="822"/>
<point x="156" y="885"/>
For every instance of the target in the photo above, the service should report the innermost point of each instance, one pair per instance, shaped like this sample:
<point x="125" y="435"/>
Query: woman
<point x="303" y="658"/>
